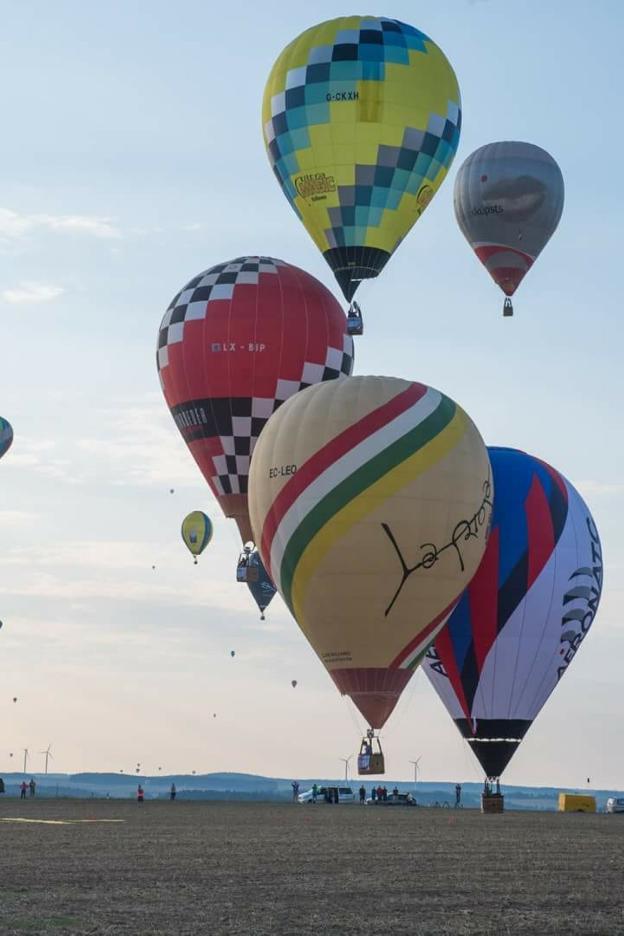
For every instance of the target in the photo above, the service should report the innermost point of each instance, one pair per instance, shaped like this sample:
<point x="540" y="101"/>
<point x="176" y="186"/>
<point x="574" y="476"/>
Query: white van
<point x="345" y="795"/>
<point x="615" y="804"/>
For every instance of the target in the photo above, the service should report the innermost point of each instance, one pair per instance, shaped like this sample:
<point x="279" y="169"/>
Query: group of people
<point x="140" y="794"/>
<point x="24" y="788"/>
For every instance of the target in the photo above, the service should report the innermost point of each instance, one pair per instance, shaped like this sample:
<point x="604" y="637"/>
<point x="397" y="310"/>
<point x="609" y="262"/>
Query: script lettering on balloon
<point x="430" y="554"/>
<point x="585" y="593"/>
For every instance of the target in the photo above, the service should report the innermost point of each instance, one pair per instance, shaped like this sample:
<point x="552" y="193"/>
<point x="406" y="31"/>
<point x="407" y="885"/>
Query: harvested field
<point x="253" y="870"/>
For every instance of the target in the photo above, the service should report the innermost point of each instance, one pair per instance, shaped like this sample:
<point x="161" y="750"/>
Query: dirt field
<point x="204" y="868"/>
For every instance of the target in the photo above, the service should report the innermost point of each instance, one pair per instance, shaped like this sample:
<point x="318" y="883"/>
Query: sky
<point x="132" y="159"/>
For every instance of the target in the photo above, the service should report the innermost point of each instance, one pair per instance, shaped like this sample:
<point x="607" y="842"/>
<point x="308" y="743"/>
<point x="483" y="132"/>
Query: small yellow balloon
<point x="196" y="532"/>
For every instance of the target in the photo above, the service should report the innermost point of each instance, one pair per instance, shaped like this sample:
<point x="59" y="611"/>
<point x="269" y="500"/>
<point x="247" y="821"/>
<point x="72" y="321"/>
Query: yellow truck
<point x="577" y="802"/>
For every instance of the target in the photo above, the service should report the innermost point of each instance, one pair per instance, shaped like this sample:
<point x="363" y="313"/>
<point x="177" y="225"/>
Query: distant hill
<point x="250" y="787"/>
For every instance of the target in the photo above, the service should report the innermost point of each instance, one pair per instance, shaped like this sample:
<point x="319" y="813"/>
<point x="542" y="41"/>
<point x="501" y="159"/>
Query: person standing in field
<point x="362" y="794"/>
<point x="23" y="788"/>
<point x="295" y="789"/>
<point x="314" y="792"/>
<point x="140" y="794"/>
<point x="457" y="795"/>
<point x="33" y="786"/>
<point x="172" y="792"/>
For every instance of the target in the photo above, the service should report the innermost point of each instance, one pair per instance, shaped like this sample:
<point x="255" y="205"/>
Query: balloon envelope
<point x="523" y="617"/>
<point x="6" y="436"/>
<point x="361" y="118"/>
<point x="196" y="532"/>
<point x="508" y="202"/>
<point x="237" y="341"/>
<point x="348" y="481"/>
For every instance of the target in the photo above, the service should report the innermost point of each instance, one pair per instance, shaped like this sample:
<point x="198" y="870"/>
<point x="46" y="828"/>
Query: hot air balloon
<point x="236" y="342"/>
<point x="232" y="653"/>
<point x="258" y="582"/>
<point x="361" y="119"/>
<point x="508" y="202"/>
<point x="196" y="532"/>
<point x="6" y="436"/>
<point x="523" y="617"/>
<point x="293" y="683"/>
<point x="370" y="499"/>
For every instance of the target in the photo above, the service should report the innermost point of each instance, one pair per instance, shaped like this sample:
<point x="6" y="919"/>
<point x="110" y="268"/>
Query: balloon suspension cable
<point x="507" y="308"/>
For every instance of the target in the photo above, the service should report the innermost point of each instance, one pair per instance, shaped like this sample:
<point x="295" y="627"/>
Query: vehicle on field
<point x="394" y="799"/>
<point x="333" y="794"/>
<point x="615" y="804"/>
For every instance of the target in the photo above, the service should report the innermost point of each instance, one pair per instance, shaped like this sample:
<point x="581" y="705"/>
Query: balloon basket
<point x="370" y="759"/>
<point x="492" y="803"/>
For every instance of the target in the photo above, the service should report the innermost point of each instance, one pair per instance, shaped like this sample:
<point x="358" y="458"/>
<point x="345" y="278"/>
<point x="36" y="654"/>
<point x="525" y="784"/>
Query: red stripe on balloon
<point x="540" y="533"/>
<point x="422" y="635"/>
<point x="483" y="601"/>
<point x="330" y="453"/>
<point x="444" y="649"/>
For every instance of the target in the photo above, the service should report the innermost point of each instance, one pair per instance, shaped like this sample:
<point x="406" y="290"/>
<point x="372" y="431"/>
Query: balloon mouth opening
<point x="374" y="691"/>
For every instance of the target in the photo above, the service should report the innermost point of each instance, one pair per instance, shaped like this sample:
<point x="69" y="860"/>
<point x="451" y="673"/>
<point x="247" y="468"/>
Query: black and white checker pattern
<point x="238" y="421"/>
<point x="232" y="468"/>
<point x="191" y="303"/>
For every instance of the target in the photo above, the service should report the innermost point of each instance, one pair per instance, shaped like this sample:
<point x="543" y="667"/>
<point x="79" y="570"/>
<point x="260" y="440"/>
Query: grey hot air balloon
<point x="508" y="202"/>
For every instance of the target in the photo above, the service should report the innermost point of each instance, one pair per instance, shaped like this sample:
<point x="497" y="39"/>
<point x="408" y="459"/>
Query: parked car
<point x="615" y="804"/>
<point x="345" y="795"/>
<point x="396" y="799"/>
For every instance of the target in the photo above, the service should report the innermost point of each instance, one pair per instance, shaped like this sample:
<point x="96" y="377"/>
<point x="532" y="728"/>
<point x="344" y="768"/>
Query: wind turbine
<point x="345" y="761"/>
<point x="416" y="763"/>
<point x="25" y="759"/>
<point x="48" y="754"/>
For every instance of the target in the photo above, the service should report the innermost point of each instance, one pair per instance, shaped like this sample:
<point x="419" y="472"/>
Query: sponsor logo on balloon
<point x="430" y="553"/>
<point x="424" y="196"/>
<point x="188" y="418"/>
<point x="487" y="210"/>
<point x="283" y="471"/>
<point x="342" y="96"/>
<point x="315" y="185"/>
<point x="587" y="592"/>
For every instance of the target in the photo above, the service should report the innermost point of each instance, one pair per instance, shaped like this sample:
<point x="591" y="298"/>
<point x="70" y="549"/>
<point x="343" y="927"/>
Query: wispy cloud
<point x="593" y="488"/>
<point x="17" y="518"/>
<point x="39" y="455"/>
<point x="147" y="449"/>
<point x="32" y="293"/>
<point x="14" y="226"/>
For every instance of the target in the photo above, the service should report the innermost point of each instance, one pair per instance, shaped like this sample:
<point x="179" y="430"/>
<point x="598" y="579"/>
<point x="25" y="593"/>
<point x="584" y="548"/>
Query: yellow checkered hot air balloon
<point x="196" y="532"/>
<point x="361" y="119"/>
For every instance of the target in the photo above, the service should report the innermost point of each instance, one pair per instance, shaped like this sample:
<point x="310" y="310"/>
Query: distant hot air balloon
<point x="508" y="202"/>
<point x="6" y="436"/>
<point x="237" y="341"/>
<point x="232" y="653"/>
<point x="370" y="499"/>
<point x="361" y="119"/>
<point x="523" y="617"/>
<point x="293" y="683"/>
<point x="259" y="582"/>
<point x="196" y="532"/>
<point x="15" y="698"/>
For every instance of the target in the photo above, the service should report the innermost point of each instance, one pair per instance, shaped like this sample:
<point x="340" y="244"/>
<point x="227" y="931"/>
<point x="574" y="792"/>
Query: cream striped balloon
<point x="370" y="502"/>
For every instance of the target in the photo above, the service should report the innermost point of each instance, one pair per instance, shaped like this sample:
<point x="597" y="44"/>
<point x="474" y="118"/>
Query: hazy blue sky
<point x="131" y="159"/>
